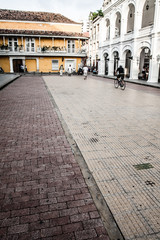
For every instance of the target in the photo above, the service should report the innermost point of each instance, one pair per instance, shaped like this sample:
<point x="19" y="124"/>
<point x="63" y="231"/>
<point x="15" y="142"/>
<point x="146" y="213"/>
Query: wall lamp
<point x="158" y="58"/>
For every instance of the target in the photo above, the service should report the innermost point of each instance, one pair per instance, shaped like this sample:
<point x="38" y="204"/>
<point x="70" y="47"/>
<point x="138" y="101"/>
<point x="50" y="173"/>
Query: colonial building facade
<point x="93" y="51"/>
<point x="39" y="42"/>
<point x="129" y="35"/>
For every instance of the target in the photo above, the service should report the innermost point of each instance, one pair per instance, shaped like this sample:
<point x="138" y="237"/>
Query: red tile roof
<point x="41" y="33"/>
<point x="34" y="16"/>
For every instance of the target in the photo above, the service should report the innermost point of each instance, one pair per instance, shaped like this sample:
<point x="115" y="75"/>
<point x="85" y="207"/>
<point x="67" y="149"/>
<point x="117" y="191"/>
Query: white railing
<point x="128" y="36"/>
<point x="116" y="40"/>
<point x="42" y="50"/>
<point x="104" y="43"/>
<point x="145" y="31"/>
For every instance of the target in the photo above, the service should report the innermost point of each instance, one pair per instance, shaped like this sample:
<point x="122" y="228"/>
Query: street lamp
<point x="147" y="6"/>
<point x="158" y="58"/>
<point x="146" y="50"/>
<point x="116" y="55"/>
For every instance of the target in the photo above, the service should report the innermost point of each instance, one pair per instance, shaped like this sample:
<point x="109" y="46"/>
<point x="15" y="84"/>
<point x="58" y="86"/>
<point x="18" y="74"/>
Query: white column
<point x="112" y="27"/>
<point x="137" y="22"/>
<point x="123" y="28"/>
<point x="100" y="67"/>
<point x="156" y="26"/>
<point x="110" y="67"/>
<point x="135" y="62"/>
<point x="124" y="19"/>
<point x="23" y="62"/>
<point x="134" y="67"/>
<point x="11" y="65"/>
<point x="3" y="40"/>
<point x="154" y="70"/>
<point x="37" y="62"/>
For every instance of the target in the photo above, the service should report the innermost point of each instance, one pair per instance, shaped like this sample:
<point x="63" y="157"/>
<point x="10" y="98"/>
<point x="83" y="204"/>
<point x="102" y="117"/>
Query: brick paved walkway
<point x="43" y="193"/>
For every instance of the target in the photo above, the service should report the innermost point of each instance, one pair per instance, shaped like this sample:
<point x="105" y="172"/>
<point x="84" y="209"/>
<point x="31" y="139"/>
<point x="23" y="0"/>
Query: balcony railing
<point x="19" y="50"/>
<point x="128" y="36"/>
<point x="145" y="31"/>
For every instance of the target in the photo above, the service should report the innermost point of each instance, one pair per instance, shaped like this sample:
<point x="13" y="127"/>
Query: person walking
<point x="69" y="70"/>
<point x="144" y="73"/>
<point x="61" y="70"/>
<point x="21" y="68"/>
<point x="85" y="72"/>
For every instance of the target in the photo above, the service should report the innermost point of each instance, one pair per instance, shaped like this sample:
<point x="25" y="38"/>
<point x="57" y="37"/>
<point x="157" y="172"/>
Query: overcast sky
<point x="73" y="9"/>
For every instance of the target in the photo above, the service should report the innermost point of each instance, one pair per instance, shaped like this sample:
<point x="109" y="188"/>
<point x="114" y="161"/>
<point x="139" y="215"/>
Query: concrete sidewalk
<point x="118" y="134"/>
<point x="5" y="79"/>
<point x="43" y="192"/>
<point x="135" y="81"/>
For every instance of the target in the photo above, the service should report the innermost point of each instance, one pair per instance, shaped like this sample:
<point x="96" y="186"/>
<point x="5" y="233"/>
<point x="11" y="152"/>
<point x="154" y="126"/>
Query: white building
<point x="129" y="35"/>
<point x="85" y="25"/>
<point x="93" y="53"/>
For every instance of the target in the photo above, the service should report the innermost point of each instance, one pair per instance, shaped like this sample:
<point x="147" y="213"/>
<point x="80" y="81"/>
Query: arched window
<point x="118" y="25"/>
<point x="130" y="20"/>
<point x="148" y="13"/>
<point x="128" y="63"/>
<point x="107" y="29"/>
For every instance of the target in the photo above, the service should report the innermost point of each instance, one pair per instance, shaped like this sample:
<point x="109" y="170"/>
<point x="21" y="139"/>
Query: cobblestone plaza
<point x="118" y="134"/>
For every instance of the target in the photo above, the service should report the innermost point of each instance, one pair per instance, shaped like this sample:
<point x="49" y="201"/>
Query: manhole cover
<point x="143" y="166"/>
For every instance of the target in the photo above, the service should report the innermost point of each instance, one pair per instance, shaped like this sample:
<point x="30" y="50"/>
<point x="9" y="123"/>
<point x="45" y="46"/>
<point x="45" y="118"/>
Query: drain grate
<point x="93" y="140"/>
<point x="143" y="166"/>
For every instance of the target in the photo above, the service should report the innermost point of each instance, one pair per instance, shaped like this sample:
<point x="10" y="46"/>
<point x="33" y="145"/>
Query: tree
<point x="94" y="15"/>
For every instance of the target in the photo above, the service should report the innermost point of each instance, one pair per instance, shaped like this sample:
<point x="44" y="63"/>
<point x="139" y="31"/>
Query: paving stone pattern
<point x="43" y="193"/>
<point x="116" y="130"/>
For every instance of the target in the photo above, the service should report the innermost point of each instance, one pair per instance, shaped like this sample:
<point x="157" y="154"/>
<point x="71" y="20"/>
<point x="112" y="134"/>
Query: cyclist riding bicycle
<point x="120" y="78"/>
<point x="120" y="73"/>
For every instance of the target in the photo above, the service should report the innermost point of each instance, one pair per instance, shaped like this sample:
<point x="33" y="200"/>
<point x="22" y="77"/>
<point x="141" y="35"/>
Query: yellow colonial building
<point x="39" y="42"/>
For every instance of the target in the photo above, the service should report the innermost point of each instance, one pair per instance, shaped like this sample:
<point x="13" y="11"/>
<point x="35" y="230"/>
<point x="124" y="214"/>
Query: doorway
<point x="128" y="64"/>
<point x="106" y="63"/>
<point x="116" y="62"/>
<point x="70" y="62"/>
<point x="16" y="65"/>
<point x="144" y="62"/>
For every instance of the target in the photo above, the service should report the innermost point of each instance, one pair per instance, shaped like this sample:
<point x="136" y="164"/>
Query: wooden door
<point x="16" y="65"/>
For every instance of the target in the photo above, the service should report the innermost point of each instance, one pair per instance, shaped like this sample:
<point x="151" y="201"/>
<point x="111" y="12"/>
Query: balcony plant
<point x="94" y="15"/>
<point x="55" y="48"/>
<point x="45" y="48"/>
<point x="4" y="47"/>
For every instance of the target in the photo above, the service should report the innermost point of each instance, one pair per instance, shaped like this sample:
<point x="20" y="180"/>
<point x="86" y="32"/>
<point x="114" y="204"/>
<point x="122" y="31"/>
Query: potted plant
<point x="4" y="47"/>
<point x="45" y="48"/>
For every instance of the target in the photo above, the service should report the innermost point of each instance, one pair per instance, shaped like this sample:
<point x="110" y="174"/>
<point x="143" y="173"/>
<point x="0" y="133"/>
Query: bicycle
<point x="119" y="82"/>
